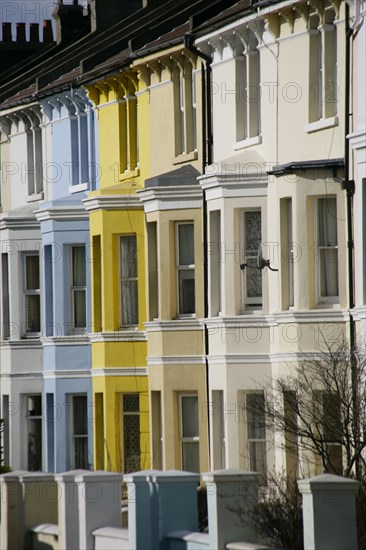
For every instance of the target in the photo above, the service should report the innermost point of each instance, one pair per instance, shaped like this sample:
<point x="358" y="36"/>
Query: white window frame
<point x="78" y="436"/>
<point x="323" y="89"/>
<point x="324" y="300"/>
<point x="31" y="292"/>
<point x="127" y="279"/>
<point x="77" y="288"/>
<point x="255" y="440"/>
<point x="248" y="302"/>
<point x="182" y="267"/>
<point x="185" y="439"/>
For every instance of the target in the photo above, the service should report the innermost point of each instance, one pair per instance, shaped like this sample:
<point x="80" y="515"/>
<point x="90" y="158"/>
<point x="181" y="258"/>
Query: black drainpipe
<point x="349" y="186"/>
<point x="206" y="160"/>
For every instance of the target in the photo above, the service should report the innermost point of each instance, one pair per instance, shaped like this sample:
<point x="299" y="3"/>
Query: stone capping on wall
<point x="162" y="510"/>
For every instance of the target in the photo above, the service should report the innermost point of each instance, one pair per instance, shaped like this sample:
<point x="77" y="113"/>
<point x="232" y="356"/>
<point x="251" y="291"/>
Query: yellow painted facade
<point x="119" y="351"/>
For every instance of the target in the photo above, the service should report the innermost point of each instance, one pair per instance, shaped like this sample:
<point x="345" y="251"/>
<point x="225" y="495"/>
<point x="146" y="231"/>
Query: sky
<point x="27" y="11"/>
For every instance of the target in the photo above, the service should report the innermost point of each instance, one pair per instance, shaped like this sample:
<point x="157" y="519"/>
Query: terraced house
<point x="182" y="224"/>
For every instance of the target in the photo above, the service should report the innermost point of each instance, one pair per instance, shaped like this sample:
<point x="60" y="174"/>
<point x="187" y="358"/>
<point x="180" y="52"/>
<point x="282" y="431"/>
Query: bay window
<point x="80" y="432"/>
<point x="131" y="454"/>
<point x="34" y="432"/>
<point x="256" y="434"/>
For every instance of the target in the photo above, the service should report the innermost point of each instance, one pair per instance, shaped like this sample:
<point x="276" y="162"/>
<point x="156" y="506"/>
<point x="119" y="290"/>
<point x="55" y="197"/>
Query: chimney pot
<point x="47" y="31"/>
<point x="34" y="32"/>
<point x="20" y="27"/>
<point x="7" y="32"/>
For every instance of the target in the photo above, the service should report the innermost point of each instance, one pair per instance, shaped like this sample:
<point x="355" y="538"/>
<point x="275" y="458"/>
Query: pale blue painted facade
<point x="64" y="225"/>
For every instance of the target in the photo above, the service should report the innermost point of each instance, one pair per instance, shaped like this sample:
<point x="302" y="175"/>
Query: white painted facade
<point x="253" y="340"/>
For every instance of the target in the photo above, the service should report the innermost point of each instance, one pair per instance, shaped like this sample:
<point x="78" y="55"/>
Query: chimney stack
<point x="34" y="32"/>
<point x="20" y="32"/>
<point x="47" y="36"/>
<point x="7" y="32"/>
<point x="71" y="22"/>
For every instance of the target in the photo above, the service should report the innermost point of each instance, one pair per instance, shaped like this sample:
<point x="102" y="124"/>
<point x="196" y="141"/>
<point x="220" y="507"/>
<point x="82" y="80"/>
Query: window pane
<point x="191" y="459"/>
<point x="253" y="231"/>
<point x="328" y="258"/>
<point x="32" y="272"/>
<point x="34" y="405"/>
<point x="255" y="416"/>
<point x="80" y="421"/>
<point x="131" y="402"/>
<point x="186" y="244"/>
<point x="189" y="416"/>
<point x="78" y="266"/>
<point x="131" y="442"/>
<point x="128" y="256"/>
<point x="327" y="219"/>
<point x="33" y="313"/>
<point x="129" y="303"/>
<point x="79" y="308"/>
<point x="186" y="291"/>
<point x="81" y="453"/>
<point x="257" y="450"/>
<point x="34" y="444"/>
<point x="253" y="236"/>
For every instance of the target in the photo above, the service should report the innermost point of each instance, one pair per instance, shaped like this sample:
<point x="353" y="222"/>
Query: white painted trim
<point x="113" y="102"/>
<point x="321" y="124"/>
<point x="176" y="360"/>
<point x="71" y="340"/>
<point x="62" y="213"/>
<point x="35" y="197"/>
<point x="159" y="84"/>
<point x="112" y="202"/>
<point x="170" y="198"/>
<point x="78" y="188"/>
<point x="21" y="375"/>
<point x="80" y="373"/>
<point x="185" y="157"/>
<point x="321" y="315"/>
<point x="174" y="325"/>
<point x="131" y="335"/>
<point x="119" y="371"/>
<point x="357" y="139"/>
<point x="33" y="343"/>
<point x="245" y="143"/>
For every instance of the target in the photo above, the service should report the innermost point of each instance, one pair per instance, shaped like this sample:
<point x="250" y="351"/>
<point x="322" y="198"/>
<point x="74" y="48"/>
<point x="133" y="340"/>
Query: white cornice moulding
<point x="174" y="325"/>
<point x="221" y="186"/>
<point x="170" y="198"/>
<point x="119" y="371"/>
<point x="80" y="373"/>
<point x="176" y="360"/>
<point x="71" y="340"/>
<point x="118" y="336"/>
<point x="21" y="344"/>
<point x="357" y="139"/>
<point x="19" y="223"/>
<point x="318" y="316"/>
<point x="61" y="213"/>
<point x="22" y="375"/>
<point x="112" y="202"/>
<point x="241" y="321"/>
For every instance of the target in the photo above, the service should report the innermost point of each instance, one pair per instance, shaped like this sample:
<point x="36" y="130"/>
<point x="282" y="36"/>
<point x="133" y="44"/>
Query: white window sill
<point x="35" y="197"/>
<point x="78" y="188"/>
<point x="329" y="304"/>
<point x="185" y="157"/>
<point x="256" y="140"/>
<point x="321" y="124"/>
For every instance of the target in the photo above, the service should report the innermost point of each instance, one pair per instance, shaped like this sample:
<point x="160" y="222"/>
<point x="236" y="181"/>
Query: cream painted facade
<point x="172" y="200"/>
<point x="278" y="91"/>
